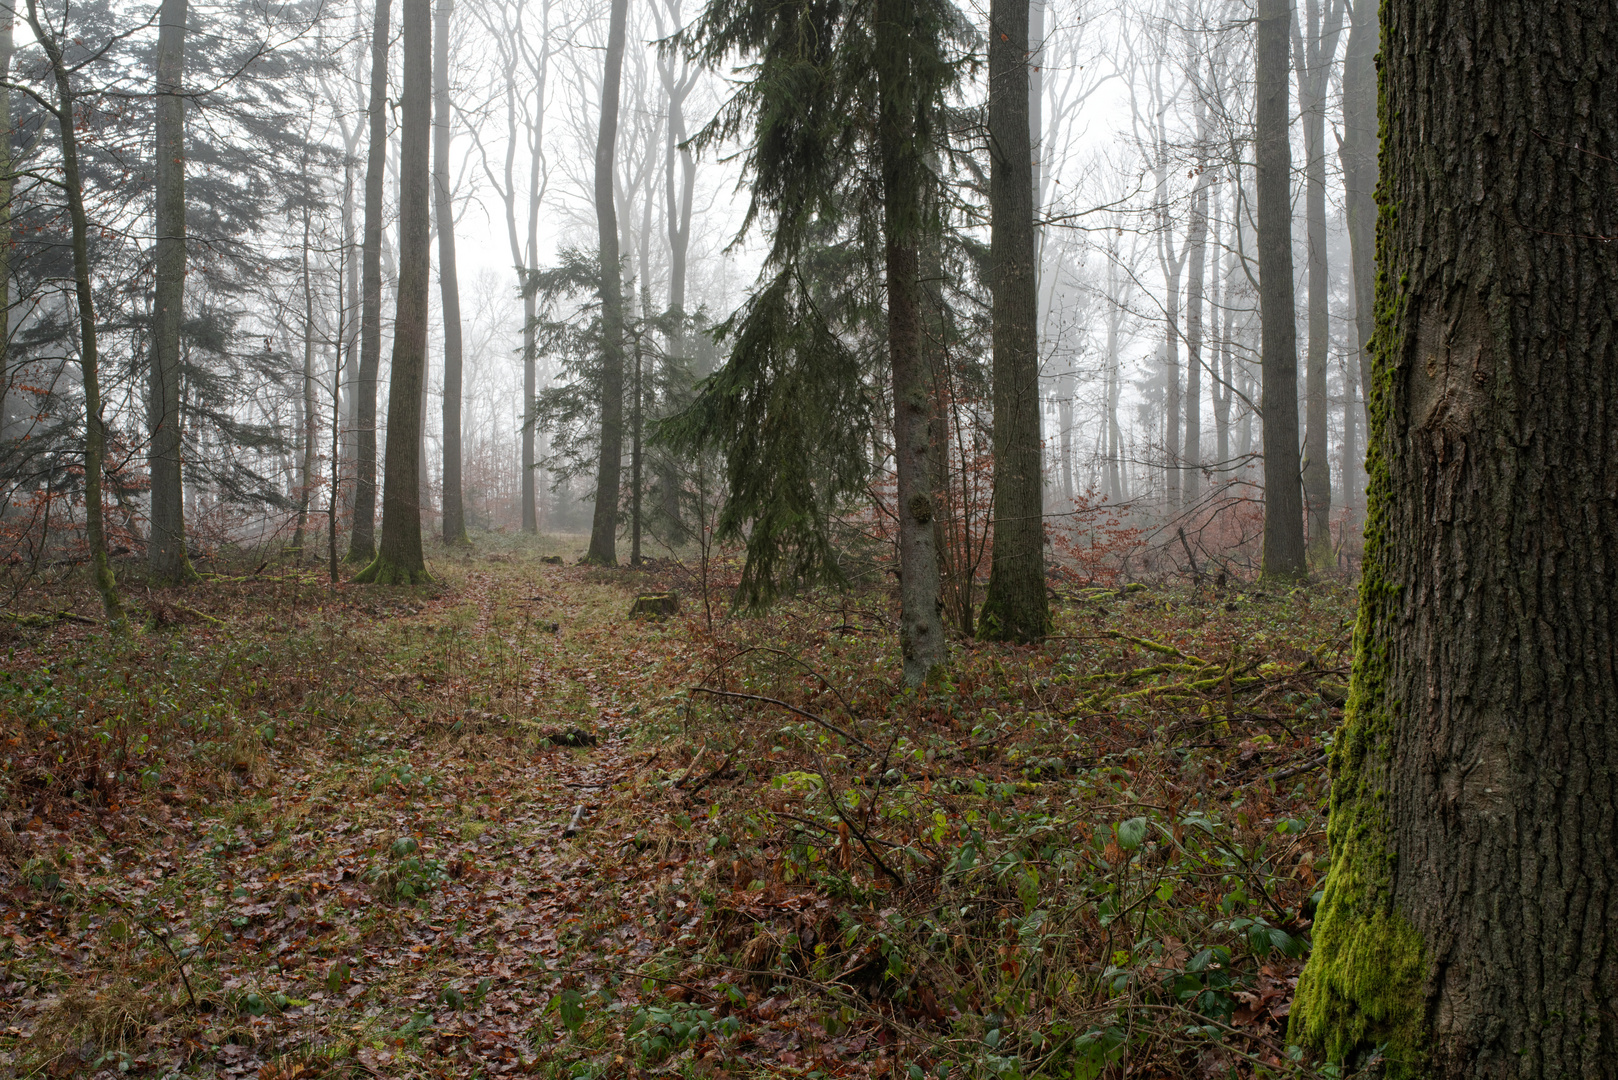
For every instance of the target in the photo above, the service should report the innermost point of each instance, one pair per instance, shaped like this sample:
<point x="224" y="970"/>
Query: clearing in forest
<point x="495" y="825"/>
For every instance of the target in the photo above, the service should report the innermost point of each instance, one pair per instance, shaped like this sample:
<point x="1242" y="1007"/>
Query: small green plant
<point x="408" y="876"/>
<point x="659" y="1030"/>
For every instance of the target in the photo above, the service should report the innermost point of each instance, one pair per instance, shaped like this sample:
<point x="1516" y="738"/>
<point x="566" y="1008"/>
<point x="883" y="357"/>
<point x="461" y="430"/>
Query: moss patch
<point x="384" y="571"/>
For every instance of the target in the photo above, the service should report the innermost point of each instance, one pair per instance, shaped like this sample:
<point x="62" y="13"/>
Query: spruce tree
<point x="833" y="87"/>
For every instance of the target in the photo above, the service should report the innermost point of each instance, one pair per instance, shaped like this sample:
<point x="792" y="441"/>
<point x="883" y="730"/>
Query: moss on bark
<point x="384" y="571"/>
<point x="1363" y="988"/>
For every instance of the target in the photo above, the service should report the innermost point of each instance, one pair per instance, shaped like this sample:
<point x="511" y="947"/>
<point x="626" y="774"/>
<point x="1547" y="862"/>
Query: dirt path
<point x="412" y="894"/>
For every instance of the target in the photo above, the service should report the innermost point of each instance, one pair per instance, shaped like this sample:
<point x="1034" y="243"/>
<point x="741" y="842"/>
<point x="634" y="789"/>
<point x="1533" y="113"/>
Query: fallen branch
<point x="1157" y="647"/>
<point x="46" y="618"/>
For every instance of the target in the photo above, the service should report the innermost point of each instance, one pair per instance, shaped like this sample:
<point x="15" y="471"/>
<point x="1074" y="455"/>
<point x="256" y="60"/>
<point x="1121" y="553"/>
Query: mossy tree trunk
<point x="1470" y="917"/>
<point x="1015" y="607"/>
<point x="399" y="558"/>
<point x="1283" y="555"/>
<point x="362" y="537"/>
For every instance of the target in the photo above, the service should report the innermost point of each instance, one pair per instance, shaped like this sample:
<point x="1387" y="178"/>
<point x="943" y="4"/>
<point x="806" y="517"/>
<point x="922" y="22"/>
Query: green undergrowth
<point x="1096" y="857"/>
<point x="495" y="825"/>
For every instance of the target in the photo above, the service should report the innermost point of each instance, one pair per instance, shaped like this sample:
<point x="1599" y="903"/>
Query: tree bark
<point x="307" y="446"/>
<point x="678" y="200"/>
<point x="89" y="356"/>
<point x="1283" y="555"/>
<point x="362" y="538"/>
<point x="903" y="170"/>
<point x="1197" y="257"/>
<point x="7" y="48"/>
<point x="1220" y="302"/>
<point x="1351" y="435"/>
<point x="1115" y="317"/>
<point x="1314" y="50"/>
<point x="166" y="554"/>
<point x="1357" y="154"/>
<point x="449" y="289"/>
<point x="604" y="528"/>
<point x="1172" y="265"/>
<point x="1015" y="607"/>
<point x="1470" y="916"/>
<point x="399" y="558"/>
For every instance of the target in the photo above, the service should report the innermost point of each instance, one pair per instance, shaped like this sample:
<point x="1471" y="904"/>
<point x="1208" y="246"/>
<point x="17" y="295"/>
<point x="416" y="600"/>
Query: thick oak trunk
<point x="1470" y="918"/>
<point x="1015" y="607"/>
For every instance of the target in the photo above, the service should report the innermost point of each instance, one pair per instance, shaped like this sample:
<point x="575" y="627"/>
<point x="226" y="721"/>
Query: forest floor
<point x="494" y="825"/>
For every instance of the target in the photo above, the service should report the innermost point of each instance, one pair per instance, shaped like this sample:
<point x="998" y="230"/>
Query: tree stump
<point x="655" y="605"/>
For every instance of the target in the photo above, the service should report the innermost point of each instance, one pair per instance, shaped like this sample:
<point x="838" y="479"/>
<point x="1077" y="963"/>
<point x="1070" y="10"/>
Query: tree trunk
<point x="1015" y="607"/>
<point x="1223" y="305"/>
<point x="903" y="169"/>
<point x="347" y="391"/>
<point x="7" y="47"/>
<point x="1197" y="256"/>
<point x="604" y="528"/>
<point x="89" y="357"/>
<point x="449" y="289"/>
<point x="1115" y="314"/>
<point x="307" y="445"/>
<point x="1351" y="435"/>
<point x="399" y="558"/>
<point x="1283" y="555"/>
<point x="362" y="538"/>
<point x="678" y="200"/>
<point x="166" y="553"/>
<point x="1469" y="919"/>
<point x="1172" y="403"/>
<point x="1065" y="386"/>
<point x="1314" y="50"/>
<point x="1357" y="154"/>
<point x="636" y="456"/>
